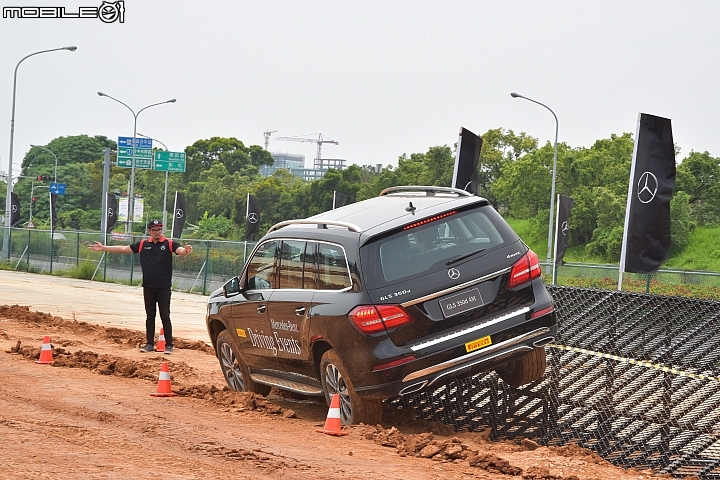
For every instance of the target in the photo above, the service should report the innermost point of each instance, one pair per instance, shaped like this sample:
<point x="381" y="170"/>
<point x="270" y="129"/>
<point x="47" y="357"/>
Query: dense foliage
<point x="514" y="174"/>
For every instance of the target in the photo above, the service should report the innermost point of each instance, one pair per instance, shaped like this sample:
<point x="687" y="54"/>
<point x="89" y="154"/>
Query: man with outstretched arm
<point x="156" y="262"/>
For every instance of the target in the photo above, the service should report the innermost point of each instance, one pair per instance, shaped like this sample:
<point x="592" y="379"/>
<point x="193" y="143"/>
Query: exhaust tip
<point x="415" y="387"/>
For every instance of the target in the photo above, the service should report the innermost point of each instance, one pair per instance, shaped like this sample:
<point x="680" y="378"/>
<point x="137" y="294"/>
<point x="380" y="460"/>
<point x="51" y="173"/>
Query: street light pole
<point x="131" y="192"/>
<point x="166" y="182"/>
<point x="554" y="173"/>
<point x="12" y="135"/>
<point x="43" y="148"/>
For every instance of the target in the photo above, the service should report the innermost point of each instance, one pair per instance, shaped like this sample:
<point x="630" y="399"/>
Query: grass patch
<point x="701" y="254"/>
<point x="84" y="271"/>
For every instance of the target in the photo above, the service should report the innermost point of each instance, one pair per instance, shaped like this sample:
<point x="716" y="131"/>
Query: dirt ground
<point x="90" y="415"/>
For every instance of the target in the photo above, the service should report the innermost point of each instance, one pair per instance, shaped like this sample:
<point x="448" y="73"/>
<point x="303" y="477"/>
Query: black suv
<point x="384" y="297"/>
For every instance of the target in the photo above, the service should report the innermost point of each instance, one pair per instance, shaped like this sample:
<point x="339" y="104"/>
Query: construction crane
<point x="267" y="134"/>
<point x="320" y="140"/>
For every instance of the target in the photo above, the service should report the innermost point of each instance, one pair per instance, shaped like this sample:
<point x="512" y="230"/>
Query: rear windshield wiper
<point x="463" y="257"/>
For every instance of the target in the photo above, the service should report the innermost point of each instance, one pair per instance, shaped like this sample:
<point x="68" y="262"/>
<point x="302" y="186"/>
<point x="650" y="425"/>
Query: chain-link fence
<point x="634" y="377"/>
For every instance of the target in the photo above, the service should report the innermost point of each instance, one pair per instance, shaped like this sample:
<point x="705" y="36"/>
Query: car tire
<point x="233" y="368"/>
<point x="353" y="408"/>
<point x="526" y="370"/>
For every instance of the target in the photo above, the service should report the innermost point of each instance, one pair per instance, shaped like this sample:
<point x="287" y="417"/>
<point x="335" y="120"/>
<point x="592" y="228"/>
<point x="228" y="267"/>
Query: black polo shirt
<point x="156" y="261"/>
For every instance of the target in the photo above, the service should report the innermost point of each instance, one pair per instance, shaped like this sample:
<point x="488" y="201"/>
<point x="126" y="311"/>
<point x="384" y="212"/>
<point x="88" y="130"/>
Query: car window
<point x="291" y="264"/>
<point x="428" y="247"/>
<point x="260" y="268"/>
<point x="310" y="269"/>
<point x="333" y="273"/>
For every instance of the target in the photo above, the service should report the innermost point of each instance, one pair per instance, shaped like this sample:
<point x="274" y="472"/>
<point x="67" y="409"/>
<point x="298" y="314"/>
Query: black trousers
<point x="161" y="298"/>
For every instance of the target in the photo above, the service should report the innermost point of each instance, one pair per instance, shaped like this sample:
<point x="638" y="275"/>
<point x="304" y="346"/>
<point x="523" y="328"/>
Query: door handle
<point x="261" y="308"/>
<point x="300" y="311"/>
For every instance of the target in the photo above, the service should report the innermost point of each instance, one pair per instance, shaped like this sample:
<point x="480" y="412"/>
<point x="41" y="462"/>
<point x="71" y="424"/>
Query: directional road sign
<point x="140" y="142"/>
<point x="57" y="188"/>
<point x="169" y="162"/>
<point x="143" y="157"/>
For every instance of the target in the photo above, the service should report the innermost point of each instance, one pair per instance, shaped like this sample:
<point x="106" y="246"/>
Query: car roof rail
<point x="429" y="191"/>
<point x="320" y="223"/>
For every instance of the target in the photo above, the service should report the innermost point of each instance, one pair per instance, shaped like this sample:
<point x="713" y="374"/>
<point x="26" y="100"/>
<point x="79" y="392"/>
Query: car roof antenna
<point x="410" y="208"/>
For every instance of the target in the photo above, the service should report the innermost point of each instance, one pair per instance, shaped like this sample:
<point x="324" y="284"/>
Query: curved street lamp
<point x="71" y="48"/>
<point x="167" y="172"/>
<point x="47" y="150"/>
<point x="131" y="192"/>
<point x="554" y="173"/>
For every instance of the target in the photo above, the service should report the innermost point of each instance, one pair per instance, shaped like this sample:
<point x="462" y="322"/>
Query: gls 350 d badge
<point x="108" y="12"/>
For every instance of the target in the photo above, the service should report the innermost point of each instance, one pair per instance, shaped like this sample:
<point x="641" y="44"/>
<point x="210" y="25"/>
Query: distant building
<point x="295" y="164"/>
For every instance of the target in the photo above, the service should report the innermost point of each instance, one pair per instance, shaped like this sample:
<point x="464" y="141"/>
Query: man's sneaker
<point x="148" y="348"/>
<point x="168" y="349"/>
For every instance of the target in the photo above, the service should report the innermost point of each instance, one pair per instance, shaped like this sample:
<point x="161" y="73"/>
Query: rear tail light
<point x="371" y="319"/>
<point x="524" y="270"/>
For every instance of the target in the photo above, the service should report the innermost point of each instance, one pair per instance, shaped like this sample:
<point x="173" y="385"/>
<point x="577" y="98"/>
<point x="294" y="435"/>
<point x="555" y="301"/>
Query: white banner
<point x="123" y="209"/>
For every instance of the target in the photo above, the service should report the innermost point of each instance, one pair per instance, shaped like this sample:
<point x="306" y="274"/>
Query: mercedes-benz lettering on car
<point x="384" y="297"/>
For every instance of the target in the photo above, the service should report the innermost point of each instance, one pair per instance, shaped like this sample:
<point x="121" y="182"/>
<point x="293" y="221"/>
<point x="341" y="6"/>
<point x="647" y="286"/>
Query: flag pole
<point x="247" y="212"/>
<point x="557" y="223"/>
<point x="623" y="250"/>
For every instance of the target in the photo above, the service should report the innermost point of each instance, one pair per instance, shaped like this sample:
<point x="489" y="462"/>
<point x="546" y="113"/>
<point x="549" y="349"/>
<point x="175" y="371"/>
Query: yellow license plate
<point x="478" y="344"/>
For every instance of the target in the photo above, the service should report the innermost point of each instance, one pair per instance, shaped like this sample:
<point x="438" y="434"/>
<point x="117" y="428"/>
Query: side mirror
<point x="231" y="287"/>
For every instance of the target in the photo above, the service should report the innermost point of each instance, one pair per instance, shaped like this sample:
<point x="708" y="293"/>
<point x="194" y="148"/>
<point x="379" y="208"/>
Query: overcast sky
<point x="382" y="78"/>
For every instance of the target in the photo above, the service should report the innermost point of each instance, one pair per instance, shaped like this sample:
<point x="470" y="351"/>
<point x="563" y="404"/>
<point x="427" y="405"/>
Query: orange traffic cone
<point x="46" y="352"/>
<point x="161" y="341"/>
<point x="163" y="387"/>
<point x="332" y="424"/>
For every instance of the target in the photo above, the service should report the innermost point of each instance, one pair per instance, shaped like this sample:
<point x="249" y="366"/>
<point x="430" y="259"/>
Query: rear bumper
<point x="431" y="375"/>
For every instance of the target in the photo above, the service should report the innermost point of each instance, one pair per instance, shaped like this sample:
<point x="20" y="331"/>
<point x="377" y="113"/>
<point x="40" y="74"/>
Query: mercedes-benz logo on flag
<point x="179" y="213"/>
<point x="110" y="212"/>
<point x="454" y="273"/>
<point x="252" y="217"/>
<point x="647" y="187"/>
<point x="14" y="208"/>
<point x="564" y="228"/>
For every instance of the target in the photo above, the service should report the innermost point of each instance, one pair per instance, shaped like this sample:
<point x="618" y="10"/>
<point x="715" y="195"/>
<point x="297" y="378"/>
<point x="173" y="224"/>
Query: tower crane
<point x="320" y="140"/>
<point x="267" y="134"/>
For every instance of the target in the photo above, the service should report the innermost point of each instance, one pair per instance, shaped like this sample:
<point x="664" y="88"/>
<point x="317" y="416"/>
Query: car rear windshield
<point x="430" y="245"/>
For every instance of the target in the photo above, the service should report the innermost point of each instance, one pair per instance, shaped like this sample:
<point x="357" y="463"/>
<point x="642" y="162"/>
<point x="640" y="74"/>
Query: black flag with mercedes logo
<point x="646" y="240"/>
<point x="111" y="213"/>
<point x="252" y="219"/>
<point x="339" y="199"/>
<point x="465" y="175"/>
<point x="563" y="227"/>
<point x="14" y="209"/>
<point x="179" y="215"/>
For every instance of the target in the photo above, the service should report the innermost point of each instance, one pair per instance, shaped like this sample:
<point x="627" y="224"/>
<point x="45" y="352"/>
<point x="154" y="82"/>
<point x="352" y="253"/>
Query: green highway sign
<point x="143" y="157"/>
<point x="139" y="162"/>
<point x="169" y="162"/>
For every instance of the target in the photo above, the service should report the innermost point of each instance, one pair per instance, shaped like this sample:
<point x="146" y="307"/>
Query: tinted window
<point x="291" y="264"/>
<point x="260" y="269"/>
<point x="309" y="277"/>
<point x="333" y="271"/>
<point x="426" y="248"/>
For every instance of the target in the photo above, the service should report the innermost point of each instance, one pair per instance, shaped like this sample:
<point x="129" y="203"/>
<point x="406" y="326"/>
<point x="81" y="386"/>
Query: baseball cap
<point x="154" y="223"/>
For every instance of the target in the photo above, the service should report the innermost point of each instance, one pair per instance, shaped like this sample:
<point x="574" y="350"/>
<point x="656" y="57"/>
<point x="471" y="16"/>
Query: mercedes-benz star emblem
<point x="110" y="212"/>
<point x="14" y="208"/>
<point x="454" y="273"/>
<point x="179" y="213"/>
<point x="564" y="228"/>
<point x="252" y="217"/>
<point x="647" y="187"/>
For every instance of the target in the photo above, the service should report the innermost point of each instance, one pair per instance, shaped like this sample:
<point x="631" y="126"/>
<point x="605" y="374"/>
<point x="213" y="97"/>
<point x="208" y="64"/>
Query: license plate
<point x="461" y="302"/>
<point x="478" y="344"/>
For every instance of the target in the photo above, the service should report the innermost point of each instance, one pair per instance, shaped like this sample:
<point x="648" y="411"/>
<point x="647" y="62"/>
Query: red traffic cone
<point x="332" y="424"/>
<point x="163" y="387"/>
<point x="161" y="341"/>
<point x="46" y="352"/>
